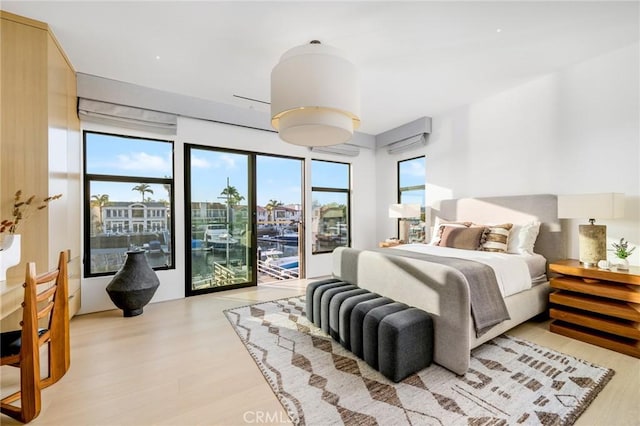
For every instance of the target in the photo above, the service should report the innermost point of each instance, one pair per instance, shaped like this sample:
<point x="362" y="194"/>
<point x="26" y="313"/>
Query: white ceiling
<point x="414" y="58"/>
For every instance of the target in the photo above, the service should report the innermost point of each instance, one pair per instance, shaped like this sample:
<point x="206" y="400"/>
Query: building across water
<point x="123" y="217"/>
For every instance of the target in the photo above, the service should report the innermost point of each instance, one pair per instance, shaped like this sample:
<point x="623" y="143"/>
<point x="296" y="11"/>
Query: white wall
<point x="574" y="131"/>
<point x="200" y="132"/>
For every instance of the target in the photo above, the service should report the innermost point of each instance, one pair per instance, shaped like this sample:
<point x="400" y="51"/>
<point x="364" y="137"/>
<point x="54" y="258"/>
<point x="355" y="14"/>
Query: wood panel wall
<point x="39" y="142"/>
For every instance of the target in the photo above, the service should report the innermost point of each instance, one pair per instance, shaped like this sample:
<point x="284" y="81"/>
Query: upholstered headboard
<point x="519" y="209"/>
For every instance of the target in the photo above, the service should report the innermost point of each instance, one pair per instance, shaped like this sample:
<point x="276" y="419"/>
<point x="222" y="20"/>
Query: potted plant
<point x="622" y="251"/>
<point x="10" y="245"/>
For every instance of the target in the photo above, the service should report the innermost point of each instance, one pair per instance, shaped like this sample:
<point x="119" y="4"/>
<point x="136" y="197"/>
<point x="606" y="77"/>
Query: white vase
<point x="622" y="264"/>
<point x="9" y="254"/>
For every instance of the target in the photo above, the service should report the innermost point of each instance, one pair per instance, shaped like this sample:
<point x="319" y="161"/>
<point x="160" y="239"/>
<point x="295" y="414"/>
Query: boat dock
<point x="268" y="272"/>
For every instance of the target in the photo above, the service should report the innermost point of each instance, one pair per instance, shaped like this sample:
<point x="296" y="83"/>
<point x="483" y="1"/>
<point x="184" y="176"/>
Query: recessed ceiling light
<point x="158" y="57"/>
<point x="499" y="30"/>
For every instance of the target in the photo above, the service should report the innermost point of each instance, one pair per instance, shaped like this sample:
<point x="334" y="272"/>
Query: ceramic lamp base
<point x="593" y="244"/>
<point x="404" y="231"/>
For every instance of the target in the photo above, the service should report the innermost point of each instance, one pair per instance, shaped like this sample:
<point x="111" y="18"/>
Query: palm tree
<point x="142" y="189"/>
<point x="232" y="195"/>
<point x="271" y="205"/>
<point x="99" y="201"/>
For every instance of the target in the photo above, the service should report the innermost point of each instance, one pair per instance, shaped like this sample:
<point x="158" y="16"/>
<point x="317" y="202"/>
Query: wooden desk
<point x="11" y="296"/>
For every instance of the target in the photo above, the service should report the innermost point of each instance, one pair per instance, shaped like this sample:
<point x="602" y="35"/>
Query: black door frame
<point x="302" y="241"/>
<point x="251" y="204"/>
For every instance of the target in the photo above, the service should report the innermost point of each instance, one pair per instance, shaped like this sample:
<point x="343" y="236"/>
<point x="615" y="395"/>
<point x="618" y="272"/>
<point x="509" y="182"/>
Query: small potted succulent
<point x="622" y="251"/>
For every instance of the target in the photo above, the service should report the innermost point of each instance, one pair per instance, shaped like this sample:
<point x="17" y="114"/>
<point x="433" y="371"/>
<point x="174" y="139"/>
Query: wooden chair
<point x="21" y="348"/>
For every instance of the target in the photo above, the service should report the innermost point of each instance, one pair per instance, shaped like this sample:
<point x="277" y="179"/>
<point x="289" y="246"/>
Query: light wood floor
<point x="181" y="363"/>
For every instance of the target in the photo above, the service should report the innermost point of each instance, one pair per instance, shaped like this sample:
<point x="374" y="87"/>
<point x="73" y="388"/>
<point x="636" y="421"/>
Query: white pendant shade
<point x="315" y="97"/>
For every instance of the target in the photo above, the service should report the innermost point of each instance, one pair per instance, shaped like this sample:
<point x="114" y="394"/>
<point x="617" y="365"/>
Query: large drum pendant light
<point x="315" y="96"/>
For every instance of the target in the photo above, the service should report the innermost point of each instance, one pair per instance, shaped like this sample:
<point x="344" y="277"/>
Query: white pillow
<point x="523" y="238"/>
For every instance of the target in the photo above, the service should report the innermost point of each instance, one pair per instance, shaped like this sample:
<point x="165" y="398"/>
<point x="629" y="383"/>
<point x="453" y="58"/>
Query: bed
<point x="442" y="290"/>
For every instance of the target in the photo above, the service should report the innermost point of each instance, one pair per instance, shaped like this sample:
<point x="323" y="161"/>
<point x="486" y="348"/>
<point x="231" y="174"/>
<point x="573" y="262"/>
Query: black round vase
<point x="133" y="286"/>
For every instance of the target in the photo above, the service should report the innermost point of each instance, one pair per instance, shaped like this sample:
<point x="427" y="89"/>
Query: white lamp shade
<point x="404" y="211"/>
<point x="315" y="96"/>
<point x="591" y="206"/>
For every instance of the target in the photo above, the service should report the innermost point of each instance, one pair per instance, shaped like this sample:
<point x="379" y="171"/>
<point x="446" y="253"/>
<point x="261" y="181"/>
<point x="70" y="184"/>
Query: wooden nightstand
<point x="597" y="306"/>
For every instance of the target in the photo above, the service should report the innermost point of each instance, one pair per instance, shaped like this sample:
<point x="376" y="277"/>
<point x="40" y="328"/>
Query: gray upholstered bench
<point x="392" y="337"/>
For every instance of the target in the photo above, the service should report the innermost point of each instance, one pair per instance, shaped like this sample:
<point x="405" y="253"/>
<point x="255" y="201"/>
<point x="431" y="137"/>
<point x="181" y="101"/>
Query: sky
<point x="277" y="178"/>
<point x="412" y="173"/>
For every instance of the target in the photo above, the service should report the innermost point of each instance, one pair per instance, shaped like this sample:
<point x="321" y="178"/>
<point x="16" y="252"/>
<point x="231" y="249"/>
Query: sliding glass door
<point x="219" y="197"/>
<point x="279" y="218"/>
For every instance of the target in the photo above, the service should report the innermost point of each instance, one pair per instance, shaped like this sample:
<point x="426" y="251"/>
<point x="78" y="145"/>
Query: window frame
<point x="334" y="190"/>
<point x="87" y="178"/>
<point x="402" y="189"/>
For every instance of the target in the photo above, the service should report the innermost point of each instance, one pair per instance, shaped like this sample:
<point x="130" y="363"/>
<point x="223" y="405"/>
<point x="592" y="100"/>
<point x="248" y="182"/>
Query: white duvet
<point x="512" y="272"/>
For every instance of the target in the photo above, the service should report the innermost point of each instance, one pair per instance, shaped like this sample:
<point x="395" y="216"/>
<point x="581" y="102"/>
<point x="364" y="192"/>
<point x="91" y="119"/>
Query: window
<point x="411" y="190"/>
<point x="330" y="189"/>
<point x="128" y="201"/>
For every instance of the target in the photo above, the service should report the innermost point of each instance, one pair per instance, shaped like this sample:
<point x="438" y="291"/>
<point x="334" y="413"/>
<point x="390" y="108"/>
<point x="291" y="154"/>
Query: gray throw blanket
<point x="487" y="305"/>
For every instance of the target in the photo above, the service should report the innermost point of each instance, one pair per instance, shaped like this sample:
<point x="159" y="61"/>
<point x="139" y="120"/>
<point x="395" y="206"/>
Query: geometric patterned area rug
<point x="510" y="381"/>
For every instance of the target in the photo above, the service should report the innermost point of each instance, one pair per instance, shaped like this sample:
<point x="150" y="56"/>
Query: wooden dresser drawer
<point x="596" y="306"/>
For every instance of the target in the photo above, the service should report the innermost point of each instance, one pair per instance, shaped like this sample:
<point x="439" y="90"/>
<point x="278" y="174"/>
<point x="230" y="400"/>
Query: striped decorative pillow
<point x="497" y="238"/>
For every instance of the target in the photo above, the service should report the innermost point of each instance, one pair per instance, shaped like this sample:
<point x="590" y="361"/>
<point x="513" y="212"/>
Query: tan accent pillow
<point x="437" y="228"/>
<point x="496" y="238"/>
<point x="461" y="238"/>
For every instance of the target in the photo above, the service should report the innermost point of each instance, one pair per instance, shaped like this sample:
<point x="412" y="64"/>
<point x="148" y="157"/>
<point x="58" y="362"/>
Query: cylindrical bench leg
<point x="311" y="288"/>
<point x="370" y="330"/>
<point x="357" y="319"/>
<point x="405" y="343"/>
<point x="345" y="316"/>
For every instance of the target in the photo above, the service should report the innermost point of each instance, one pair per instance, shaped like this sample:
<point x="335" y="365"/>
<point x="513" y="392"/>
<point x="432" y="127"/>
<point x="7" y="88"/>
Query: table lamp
<point x="404" y="212"/>
<point x="592" y="238"/>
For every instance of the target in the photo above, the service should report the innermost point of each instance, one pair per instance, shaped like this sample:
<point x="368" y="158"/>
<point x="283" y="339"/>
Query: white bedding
<point x="512" y="270"/>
